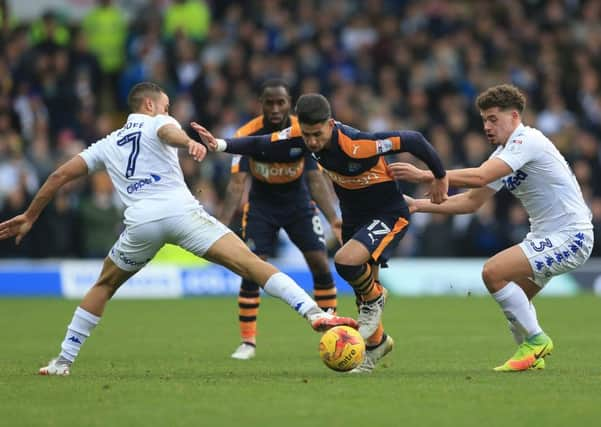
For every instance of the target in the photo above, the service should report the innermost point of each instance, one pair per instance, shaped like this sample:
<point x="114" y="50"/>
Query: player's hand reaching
<point x="438" y="190"/>
<point x="17" y="226"/>
<point x="196" y="150"/>
<point x="407" y="172"/>
<point x="206" y="136"/>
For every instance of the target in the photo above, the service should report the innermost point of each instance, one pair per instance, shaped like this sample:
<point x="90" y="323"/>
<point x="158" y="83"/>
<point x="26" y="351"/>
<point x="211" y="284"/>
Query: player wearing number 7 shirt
<point x="141" y="159"/>
<point x="527" y="164"/>
<point x="374" y="213"/>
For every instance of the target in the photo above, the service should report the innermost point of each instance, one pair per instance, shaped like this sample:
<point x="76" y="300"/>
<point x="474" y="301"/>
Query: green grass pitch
<point x="166" y="363"/>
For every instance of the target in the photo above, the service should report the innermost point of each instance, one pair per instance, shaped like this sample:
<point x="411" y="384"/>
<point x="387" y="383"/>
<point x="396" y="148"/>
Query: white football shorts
<point x="138" y="244"/>
<point x="556" y="253"/>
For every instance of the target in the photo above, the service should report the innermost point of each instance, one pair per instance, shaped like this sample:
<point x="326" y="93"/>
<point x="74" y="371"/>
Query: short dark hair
<point x="504" y="96"/>
<point x="139" y="92"/>
<point x="313" y="108"/>
<point x="273" y="83"/>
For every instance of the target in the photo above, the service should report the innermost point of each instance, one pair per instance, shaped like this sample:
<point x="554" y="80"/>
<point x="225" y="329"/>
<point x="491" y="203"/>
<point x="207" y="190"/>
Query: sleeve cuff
<point x="221" y="144"/>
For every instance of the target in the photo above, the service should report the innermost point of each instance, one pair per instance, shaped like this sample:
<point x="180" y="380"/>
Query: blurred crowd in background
<point x="384" y="65"/>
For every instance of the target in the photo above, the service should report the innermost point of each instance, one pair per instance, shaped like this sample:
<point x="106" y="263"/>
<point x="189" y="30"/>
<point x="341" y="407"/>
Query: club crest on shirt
<point x="515" y="146"/>
<point x="284" y="134"/>
<point x="383" y="145"/>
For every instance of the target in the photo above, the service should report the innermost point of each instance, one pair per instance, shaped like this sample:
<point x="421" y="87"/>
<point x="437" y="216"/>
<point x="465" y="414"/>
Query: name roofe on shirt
<point x="130" y="126"/>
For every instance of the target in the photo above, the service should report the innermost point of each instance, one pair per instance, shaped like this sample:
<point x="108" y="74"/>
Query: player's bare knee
<point x="491" y="275"/>
<point x="344" y="258"/>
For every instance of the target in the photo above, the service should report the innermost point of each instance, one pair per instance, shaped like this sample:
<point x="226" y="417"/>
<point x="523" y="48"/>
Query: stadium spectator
<point x="189" y="18"/>
<point x="100" y="217"/>
<point x="106" y="31"/>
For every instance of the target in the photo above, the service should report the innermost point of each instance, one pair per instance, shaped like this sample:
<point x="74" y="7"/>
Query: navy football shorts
<point x="380" y="234"/>
<point x="261" y="224"/>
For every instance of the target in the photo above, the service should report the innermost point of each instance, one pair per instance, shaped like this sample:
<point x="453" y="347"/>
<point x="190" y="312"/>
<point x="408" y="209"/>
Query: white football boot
<point x="370" y="314"/>
<point x="245" y="351"/>
<point x="373" y="356"/>
<point x="56" y="367"/>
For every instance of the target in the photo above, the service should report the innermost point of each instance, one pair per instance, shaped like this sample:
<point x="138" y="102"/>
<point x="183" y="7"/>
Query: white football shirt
<point x="543" y="181"/>
<point x="145" y="171"/>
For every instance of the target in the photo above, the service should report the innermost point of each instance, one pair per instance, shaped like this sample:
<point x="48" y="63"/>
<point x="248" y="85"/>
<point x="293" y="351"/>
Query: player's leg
<point x="519" y="273"/>
<point x="372" y="244"/>
<point x="306" y="232"/>
<point x="378" y="345"/>
<point x="110" y="279"/>
<point x="530" y="289"/>
<point x="135" y="247"/>
<point x="506" y="276"/>
<point x="212" y="240"/>
<point x="518" y="335"/>
<point x="352" y="263"/>
<point x="249" y="300"/>
<point x="260" y="234"/>
<point x="324" y="289"/>
<point x="501" y="275"/>
<point x="369" y="244"/>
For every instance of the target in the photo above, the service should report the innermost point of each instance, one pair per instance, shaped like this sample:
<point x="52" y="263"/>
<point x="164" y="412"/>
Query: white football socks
<point x="518" y="335"/>
<point x="78" y="331"/>
<point x="516" y="307"/>
<point x="283" y="287"/>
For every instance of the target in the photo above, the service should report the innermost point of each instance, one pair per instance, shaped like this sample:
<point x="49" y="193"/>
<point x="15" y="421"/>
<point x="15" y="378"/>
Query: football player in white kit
<point x="561" y="233"/>
<point x="141" y="159"/>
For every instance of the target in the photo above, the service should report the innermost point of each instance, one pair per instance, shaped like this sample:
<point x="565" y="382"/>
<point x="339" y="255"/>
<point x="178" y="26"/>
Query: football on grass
<point x="342" y="348"/>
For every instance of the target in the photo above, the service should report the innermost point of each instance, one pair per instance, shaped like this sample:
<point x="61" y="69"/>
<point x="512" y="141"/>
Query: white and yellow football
<point x="342" y="348"/>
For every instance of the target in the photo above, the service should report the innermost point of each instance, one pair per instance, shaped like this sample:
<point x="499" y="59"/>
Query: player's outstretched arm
<point x="321" y="193"/>
<point x="176" y="137"/>
<point x="488" y="172"/>
<point x="20" y="225"/>
<point x="246" y="145"/>
<point x="214" y="144"/>
<point x="463" y="203"/>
